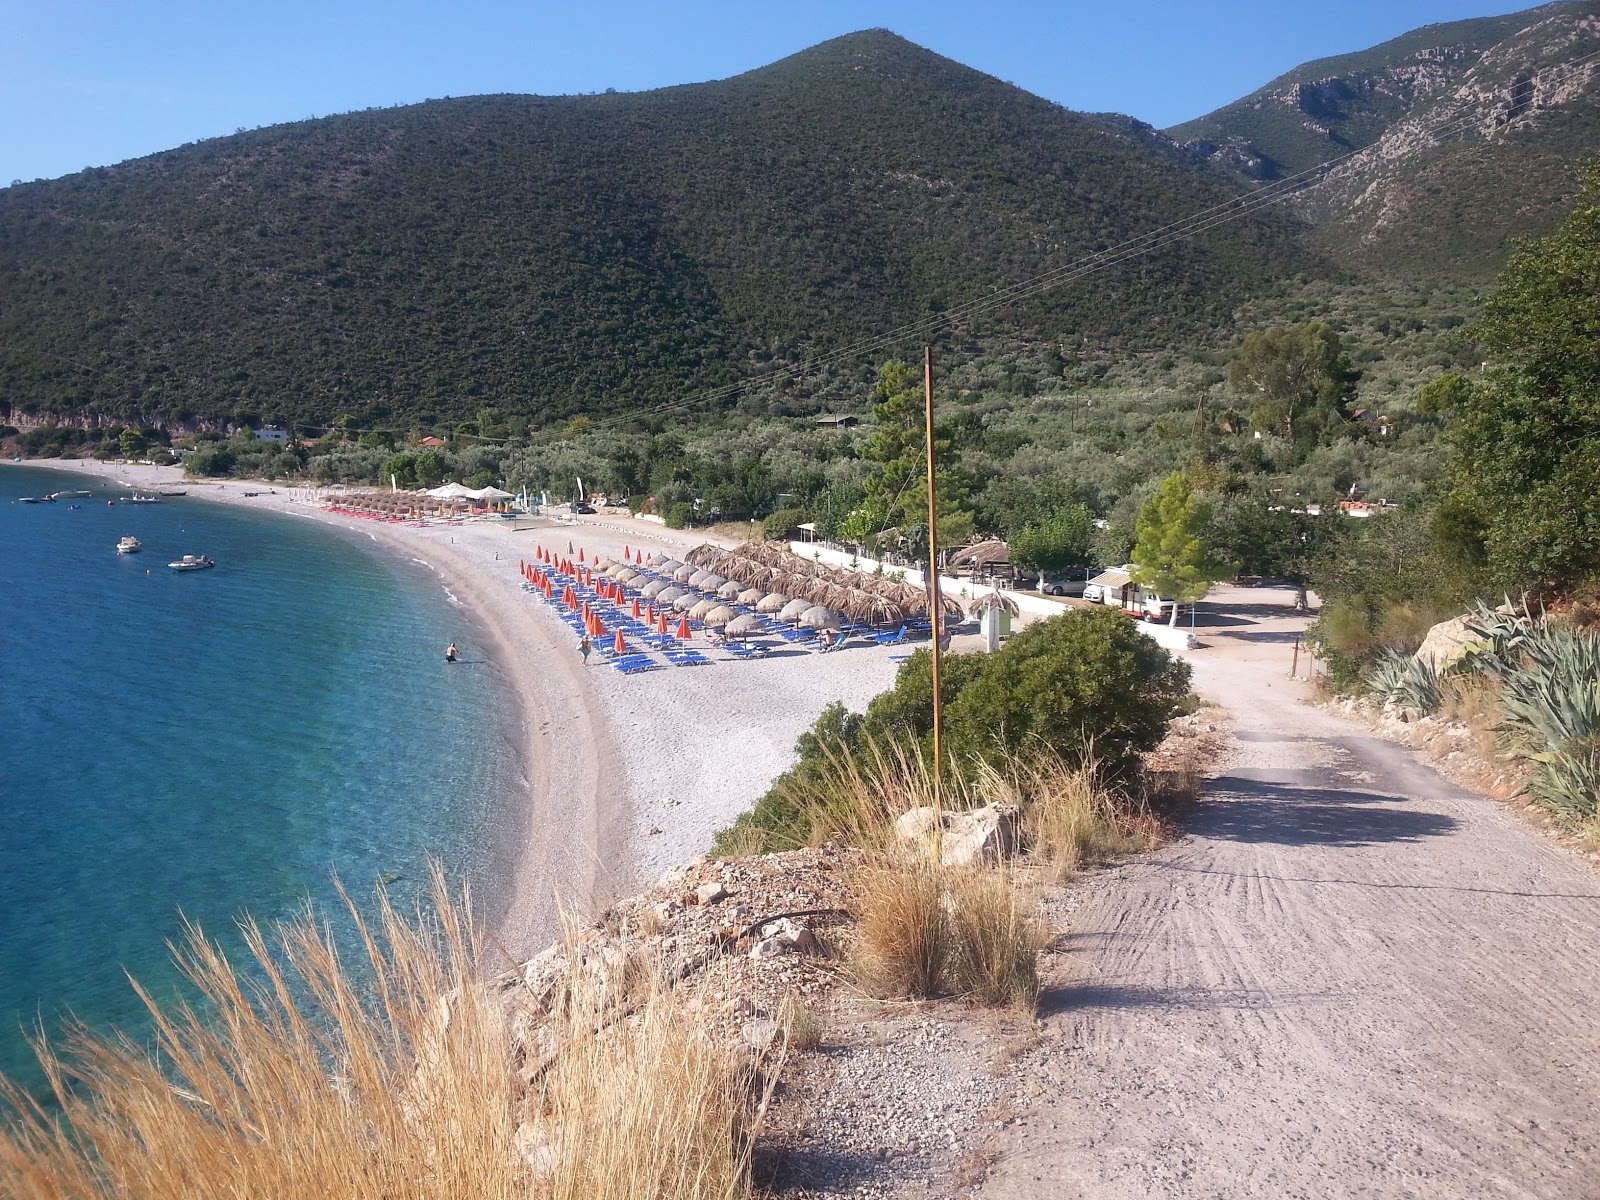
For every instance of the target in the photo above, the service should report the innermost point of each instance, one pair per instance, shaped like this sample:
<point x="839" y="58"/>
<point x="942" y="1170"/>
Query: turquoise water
<point x="217" y="742"/>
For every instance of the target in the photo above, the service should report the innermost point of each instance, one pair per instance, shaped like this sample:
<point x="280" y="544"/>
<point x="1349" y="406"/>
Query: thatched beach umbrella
<point x="712" y="582"/>
<point x="667" y="566"/>
<point x="993" y="600"/>
<point x="730" y="590"/>
<point x="670" y="595"/>
<point x="702" y="555"/>
<point x="744" y="625"/>
<point x="654" y="588"/>
<point x="747" y="597"/>
<point x="687" y="601"/>
<point x="792" y="610"/>
<point x="702" y="609"/>
<point x="819" y="617"/>
<point x="772" y="602"/>
<point x="659" y="558"/>
<point x="698" y="579"/>
<point x="686" y="572"/>
<point x="720" y="614"/>
<point x="627" y="575"/>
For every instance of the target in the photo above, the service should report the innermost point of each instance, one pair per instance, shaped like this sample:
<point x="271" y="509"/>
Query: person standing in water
<point x="450" y="652"/>
<point x="585" y="644"/>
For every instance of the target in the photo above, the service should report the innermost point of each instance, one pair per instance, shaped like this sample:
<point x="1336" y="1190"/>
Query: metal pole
<point x="933" y="581"/>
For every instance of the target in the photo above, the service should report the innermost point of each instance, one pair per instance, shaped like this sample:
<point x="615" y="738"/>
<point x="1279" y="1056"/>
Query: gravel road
<point x="1352" y="979"/>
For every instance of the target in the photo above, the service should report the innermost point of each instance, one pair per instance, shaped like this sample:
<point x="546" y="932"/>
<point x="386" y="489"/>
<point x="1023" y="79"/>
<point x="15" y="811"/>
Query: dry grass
<point x="902" y="940"/>
<point x="924" y="930"/>
<point x="995" y="940"/>
<point x="303" y="1080"/>
<point x="802" y="1028"/>
<point x="647" y="1108"/>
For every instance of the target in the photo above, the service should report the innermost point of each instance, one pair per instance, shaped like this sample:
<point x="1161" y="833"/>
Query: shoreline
<point x="622" y="776"/>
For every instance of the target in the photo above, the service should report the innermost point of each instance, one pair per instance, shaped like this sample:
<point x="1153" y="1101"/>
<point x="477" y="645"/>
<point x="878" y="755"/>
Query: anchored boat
<point x="129" y="545"/>
<point x="192" y="562"/>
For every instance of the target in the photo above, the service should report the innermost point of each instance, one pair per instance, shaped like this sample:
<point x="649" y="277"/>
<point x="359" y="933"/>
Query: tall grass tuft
<point x="995" y="940"/>
<point x="302" y="1080"/>
<point x="902" y="928"/>
<point x="925" y="930"/>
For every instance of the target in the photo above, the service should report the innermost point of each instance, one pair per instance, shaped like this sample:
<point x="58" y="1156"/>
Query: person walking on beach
<point x="450" y="652"/>
<point x="585" y="644"/>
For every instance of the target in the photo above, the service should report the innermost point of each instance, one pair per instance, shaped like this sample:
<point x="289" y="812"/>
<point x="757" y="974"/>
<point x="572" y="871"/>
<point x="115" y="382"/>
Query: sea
<point x="208" y="745"/>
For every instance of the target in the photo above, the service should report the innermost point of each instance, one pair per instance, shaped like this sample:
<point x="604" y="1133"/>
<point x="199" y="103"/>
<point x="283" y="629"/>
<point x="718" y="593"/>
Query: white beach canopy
<point x="491" y="493"/>
<point x="452" y="491"/>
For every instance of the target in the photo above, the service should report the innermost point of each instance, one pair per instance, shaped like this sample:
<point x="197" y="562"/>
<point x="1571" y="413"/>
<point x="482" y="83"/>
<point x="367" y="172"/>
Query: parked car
<point x="1065" y="587"/>
<point x="1094" y="593"/>
<point x="578" y="506"/>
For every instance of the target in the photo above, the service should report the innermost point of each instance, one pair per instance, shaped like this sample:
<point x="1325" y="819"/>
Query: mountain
<point x="1455" y="138"/>
<point x="554" y="255"/>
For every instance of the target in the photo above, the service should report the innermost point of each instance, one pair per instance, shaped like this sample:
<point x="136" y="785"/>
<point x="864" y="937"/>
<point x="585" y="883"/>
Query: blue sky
<point x="89" y="82"/>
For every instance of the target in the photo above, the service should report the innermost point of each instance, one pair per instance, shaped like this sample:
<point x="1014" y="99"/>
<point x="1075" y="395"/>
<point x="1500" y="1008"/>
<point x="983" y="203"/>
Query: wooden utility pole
<point x="935" y="605"/>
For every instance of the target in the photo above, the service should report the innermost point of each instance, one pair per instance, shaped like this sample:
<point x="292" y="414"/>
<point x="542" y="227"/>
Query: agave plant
<point x="1406" y="681"/>
<point x="1554" y="698"/>
<point x="1502" y="637"/>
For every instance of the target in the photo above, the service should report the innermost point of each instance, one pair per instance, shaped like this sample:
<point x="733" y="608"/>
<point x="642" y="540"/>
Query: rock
<point x="665" y="910"/>
<point x="760" y="1034"/>
<point x="535" y="1150"/>
<point x="965" y="838"/>
<point x="710" y="893"/>
<point x="785" y="936"/>
<point x="1446" y="642"/>
<point x="743" y="1006"/>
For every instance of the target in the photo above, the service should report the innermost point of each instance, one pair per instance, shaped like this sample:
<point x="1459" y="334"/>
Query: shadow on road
<point x="1077" y="998"/>
<point x="1245" y="810"/>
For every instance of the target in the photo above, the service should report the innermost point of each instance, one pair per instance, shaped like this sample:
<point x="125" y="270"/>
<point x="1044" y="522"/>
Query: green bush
<point x="678" y="516"/>
<point x="783" y="525"/>
<point x="1085" y="687"/>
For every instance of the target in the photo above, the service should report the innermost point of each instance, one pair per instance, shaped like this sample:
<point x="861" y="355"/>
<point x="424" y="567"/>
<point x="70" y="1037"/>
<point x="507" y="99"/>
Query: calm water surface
<point x="217" y="742"/>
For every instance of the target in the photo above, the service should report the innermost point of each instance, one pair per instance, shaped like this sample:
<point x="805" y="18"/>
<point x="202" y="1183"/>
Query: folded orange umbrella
<point x="636" y="608"/>
<point x="621" y="646"/>
<point x="683" y="629"/>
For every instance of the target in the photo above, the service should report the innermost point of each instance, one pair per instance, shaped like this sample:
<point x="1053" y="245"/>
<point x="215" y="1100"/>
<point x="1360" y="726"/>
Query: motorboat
<point x="192" y="562"/>
<point x="37" y="499"/>
<point x="129" y="545"/>
<point x="68" y="495"/>
<point x="138" y="499"/>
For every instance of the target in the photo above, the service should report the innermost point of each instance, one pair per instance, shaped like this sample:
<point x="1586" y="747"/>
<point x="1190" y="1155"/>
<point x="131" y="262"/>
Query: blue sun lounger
<point x="687" y="658"/>
<point x="889" y="639"/>
<point x="630" y="664"/>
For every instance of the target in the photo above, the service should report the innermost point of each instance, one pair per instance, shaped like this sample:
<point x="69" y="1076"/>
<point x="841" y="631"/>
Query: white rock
<point x="710" y="893"/>
<point x="964" y="838"/>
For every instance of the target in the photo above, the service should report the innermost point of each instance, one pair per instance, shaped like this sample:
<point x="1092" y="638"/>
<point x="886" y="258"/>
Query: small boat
<point x="164" y="493"/>
<point x="37" y="499"/>
<point x="138" y="499"/>
<point x="68" y="495"/>
<point x="129" y="545"/>
<point x="192" y="562"/>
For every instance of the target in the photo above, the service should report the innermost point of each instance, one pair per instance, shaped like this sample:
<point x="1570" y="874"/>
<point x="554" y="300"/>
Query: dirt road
<point x="1353" y="979"/>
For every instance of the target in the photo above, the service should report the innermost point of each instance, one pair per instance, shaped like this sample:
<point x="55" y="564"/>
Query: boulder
<point x="710" y="893"/>
<point x="964" y="838"/>
<point x="1446" y="642"/>
<point x="784" y="936"/>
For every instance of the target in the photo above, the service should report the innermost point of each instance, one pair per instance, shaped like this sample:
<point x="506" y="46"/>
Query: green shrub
<point x="679" y="515"/>
<point x="783" y="525"/>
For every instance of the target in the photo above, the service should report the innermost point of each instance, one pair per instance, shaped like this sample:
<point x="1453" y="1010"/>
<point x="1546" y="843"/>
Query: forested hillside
<point x="552" y="256"/>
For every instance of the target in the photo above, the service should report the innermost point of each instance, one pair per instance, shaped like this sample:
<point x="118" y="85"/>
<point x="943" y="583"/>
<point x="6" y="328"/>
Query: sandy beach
<point x="625" y="775"/>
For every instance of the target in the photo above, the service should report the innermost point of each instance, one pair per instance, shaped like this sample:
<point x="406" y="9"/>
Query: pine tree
<point x="1171" y="554"/>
